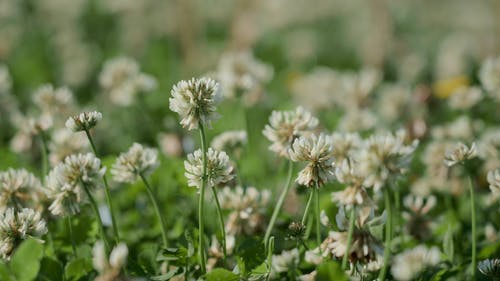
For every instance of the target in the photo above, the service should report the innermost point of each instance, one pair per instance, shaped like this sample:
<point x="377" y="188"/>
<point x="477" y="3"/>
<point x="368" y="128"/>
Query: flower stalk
<point x="388" y="234"/>
<point x="157" y="209"/>
<point x="352" y="217"/>
<point x="201" y="201"/>
<point x="97" y="214"/>
<point x="474" y="233"/>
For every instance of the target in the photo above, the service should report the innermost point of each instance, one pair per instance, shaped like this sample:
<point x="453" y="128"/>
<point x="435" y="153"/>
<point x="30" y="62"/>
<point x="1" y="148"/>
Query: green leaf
<point x="221" y="274"/>
<point x="77" y="268"/>
<point x="251" y="253"/>
<point x="331" y="271"/>
<point x="50" y="269"/>
<point x="5" y="273"/>
<point x="448" y="245"/>
<point x="25" y="262"/>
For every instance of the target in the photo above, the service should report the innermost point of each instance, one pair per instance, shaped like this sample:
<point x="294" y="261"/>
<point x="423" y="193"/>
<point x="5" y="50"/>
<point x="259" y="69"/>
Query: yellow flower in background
<point x="446" y="87"/>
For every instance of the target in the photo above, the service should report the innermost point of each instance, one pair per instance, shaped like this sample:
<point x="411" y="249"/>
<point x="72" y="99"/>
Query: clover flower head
<point x="493" y="178"/>
<point x="83" y="121"/>
<point x="286" y="126"/>
<point x="316" y="151"/>
<point x="230" y="140"/>
<point x="137" y="161"/>
<point x="19" y="188"/>
<point x="109" y="268"/>
<point x="459" y="154"/>
<point x="411" y="262"/>
<point x="195" y="101"/>
<point x="219" y="168"/>
<point x="490" y="267"/>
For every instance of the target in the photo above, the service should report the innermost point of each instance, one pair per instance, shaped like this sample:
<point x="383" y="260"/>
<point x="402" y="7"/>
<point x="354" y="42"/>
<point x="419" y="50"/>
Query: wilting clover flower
<point x="83" y="121"/>
<point x="490" y="267"/>
<point x="65" y="182"/>
<point x="494" y="181"/>
<point x="286" y="126"/>
<point x="407" y="265"/>
<point x="109" y="269"/>
<point x="230" y="141"/>
<point x="16" y="226"/>
<point x="317" y="152"/>
<point x="195" y="101"/>
<point x="137" y="161"/>
<point x="459" y="154"/>
<point x="219" y="168"/>
<point x="19" y="188"/>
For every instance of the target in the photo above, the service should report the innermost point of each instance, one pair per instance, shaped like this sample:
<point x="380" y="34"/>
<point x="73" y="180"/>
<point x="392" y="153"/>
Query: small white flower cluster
<point x="459" y="154"/>
<point x="16" y="226"/>
<point x="465" y="98"/>
<point x="355" y="193"/>
<point x="287" y="260"/>
<point x="52" y="100"/>
<point x="494" y="181"/>
<point x="64" y="143"/>
<point x="489" y="75"/>
<point x="407" y="265"/>
<point x="19" y="188"/>
<point x="83" y="121"/>
<point x="109" y="269"/>
<point x="137" y="161"/>
<point x="123" y="80"/>
<point x="248" y="208"/>
<point x="286" y="126"/>
<point x="317" y="152"/>
<point x="68" y="180"/>
<point x="195" y="101"/>
<point x="230" y="141"/>
<point x="219" y="168"/>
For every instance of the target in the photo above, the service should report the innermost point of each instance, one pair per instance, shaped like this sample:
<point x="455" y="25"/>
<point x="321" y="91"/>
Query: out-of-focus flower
<point x="393" y="101"/>
<point x="490" y="267"/>
<point x="230" y="141"/>
<point x="170" y="144"/>
<point x="465" y="97"/>
<point x="83" y="121"/>
<point x="314" y="90"/>
<point x="65" y="182"/>
<point x="16" y="226"/>
<point x="215" y="251"/>
<point x="241" y="73"/>
<point x="286" y="261"/>
<point x="354" y="194"/>
<point x="317" y="152"/>
<point x="459" y="154"/>
<point x="355" y="88"/>
<point x="489" y="75"/>
<point x="195" y="101"/>
<point x="109" y="269"/>
<point x="40" y="125"/>
<point x="418" y="222"/>
<point x="345" y="145"/>
<point x="138" y="160"/>
<point x="313" y="256"/>
<point x="123" y="80"/>
<point x="54" y="101"/>
<point x="356" y="119"/>
<point x="494" y="181"/>
<point x="219" y="168"/>
<point x="64" y="143"/>
<point x="286" y="126"/>
<point x="411" y="262"/>
<point x="248" y="207"/>
<point x="19" y="188"/>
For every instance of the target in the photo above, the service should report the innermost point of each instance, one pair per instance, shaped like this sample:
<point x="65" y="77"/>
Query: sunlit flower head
<point x="286" y="126"/>
<point x="18" y="225"/>
<point x="316" y="151"/>
<point x="19" y="188"/>
<point x="137" y="161"/>
<point x="83" y="121"/>
<point x="195" y="101"/>
<point x="459" y="154"/>
<point x="219" y="168"/>
<point x="407" y="265"/>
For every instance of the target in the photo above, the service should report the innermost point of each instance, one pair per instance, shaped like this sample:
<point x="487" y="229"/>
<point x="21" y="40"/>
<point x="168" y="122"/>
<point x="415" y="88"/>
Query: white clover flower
<point x="314" y="90"/>
<point x="494" y="181"/>
<point x="19" y="188"/>
<point x="419" y="205"/>
<point x="230" y="140"/>
<point x="248" y="208"/>
<point x="16" y="226"/>
<point x="195" y="101"/>
<point x="465" y="97"/>
<point x="356" y="87"/>
<point x="354" y="194"/>
<point x="490" y="267"/>
<point x="64" y="143"/>
<point x="286" y="126"/>
<point x="122" y="80"/>
<point x="356" y="119"/>
<point x="138" y="160"/>
<point x="287" y="260"/>
<point x="313" y="256"/>
<point x="489" y="75"/>
<point x="384" y="157"/>
<point x="317" y="152"/>
<point x="39" y="125"/>
<point x="345" y="145"/>
<point x="83" y="121"/>
<point x="53" y="100"/>
<point x="407" y="265"/>
<point x="65" y="182"/>
<point x="459" y="154"/>
<point x="109" y="269"/>
<point x="219" y="168"/>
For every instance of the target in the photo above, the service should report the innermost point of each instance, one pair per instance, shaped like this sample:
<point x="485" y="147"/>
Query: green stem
<point x="318" y="229"/>
<point x="106" y="191"/>
<point x="221" y="221"/>
<point x="352" y="217"/>
<point x="201" y="201"/>
<point x="473" y="221"/>
<point x="397" y="218"/>
<point x="157" y="210"/>
<point x="45" y="158"/>
<point x="72" y="237"/>
<point x="98" y="216"/>
<point x="308" y="206"/>
<point x="388" y="234"/>
<point x="281" y="200"/>
<point x="270" y="251"/>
